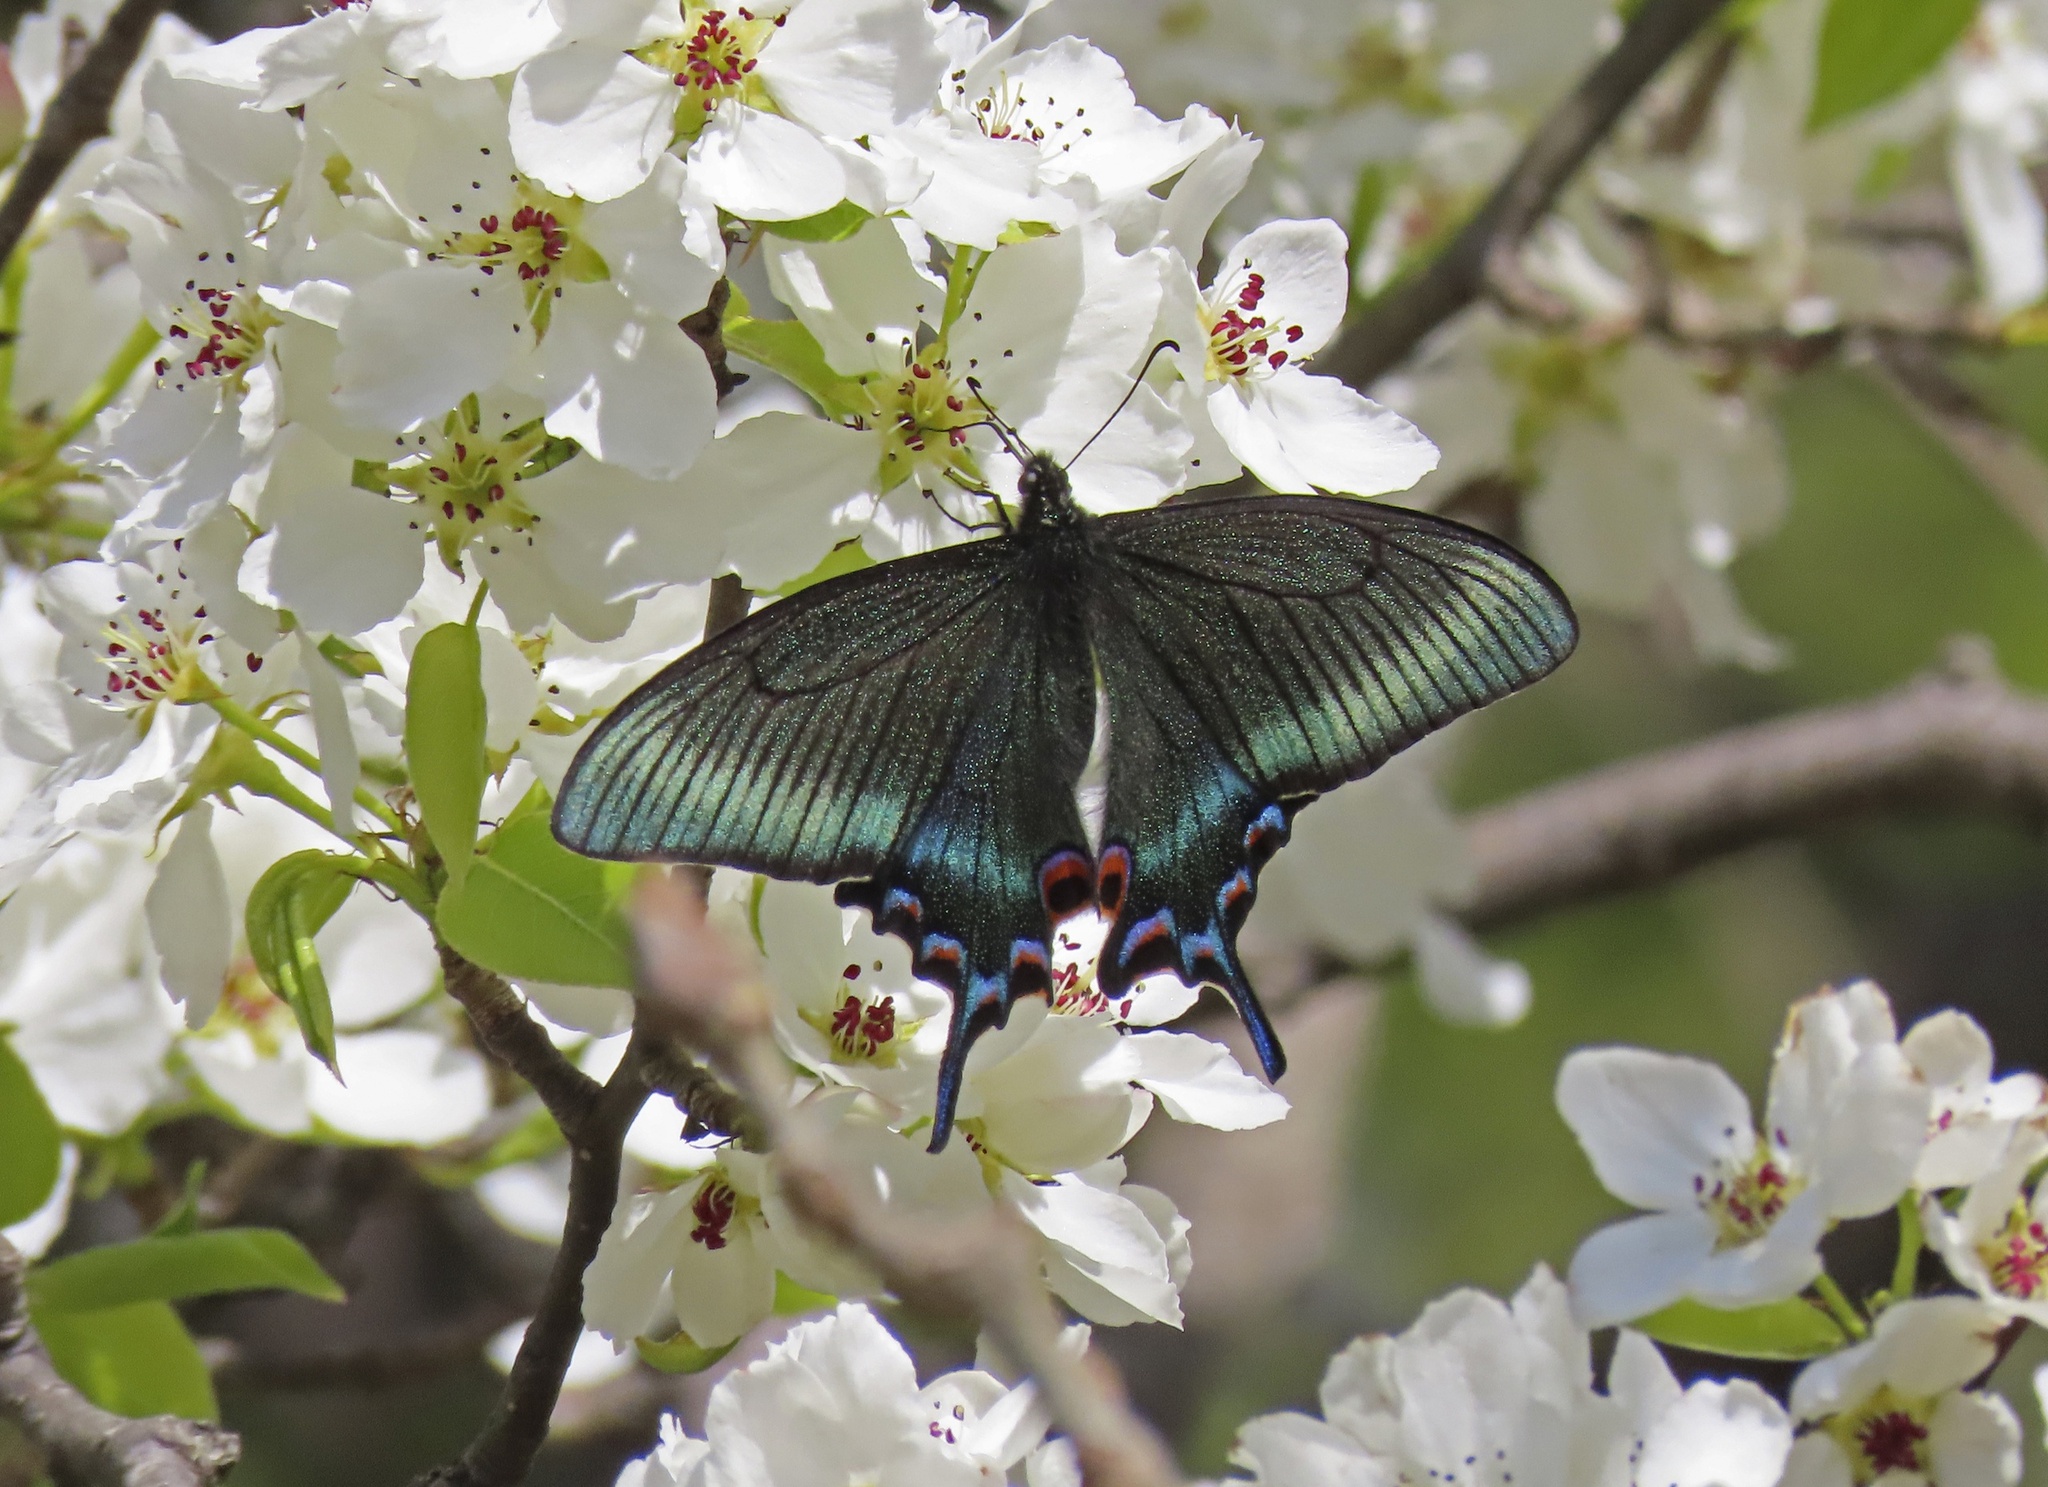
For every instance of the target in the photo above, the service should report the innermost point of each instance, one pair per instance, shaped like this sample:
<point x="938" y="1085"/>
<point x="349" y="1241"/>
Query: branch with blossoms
<point x="983" y="1269"/>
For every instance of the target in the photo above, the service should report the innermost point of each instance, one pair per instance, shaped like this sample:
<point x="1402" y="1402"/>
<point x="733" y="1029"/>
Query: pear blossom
<point x="1737" y="1213"/>
<point x="498" y="279"/>
<point x="1980" y="1124"/>
<point x="1999" y="97"/>
<point x="1042" y="136"/>
<point x="1484" y="1392"/>
<point x="836" y="1401"/>
<point x="1996" y="1241"/>
<point x="1277" y="301"/>
<point x="770" y="101"/>
<point x="1895" y="1408"/>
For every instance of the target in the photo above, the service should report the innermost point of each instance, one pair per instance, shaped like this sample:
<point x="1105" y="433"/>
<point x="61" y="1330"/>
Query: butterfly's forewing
<point x="1258" y="652"/>
<point x="801" y="741"/>
<point x="915" y="727"/>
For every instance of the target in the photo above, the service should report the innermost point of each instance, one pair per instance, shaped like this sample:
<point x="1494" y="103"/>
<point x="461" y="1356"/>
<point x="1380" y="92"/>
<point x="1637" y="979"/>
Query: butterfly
<point x="916" y="731"/>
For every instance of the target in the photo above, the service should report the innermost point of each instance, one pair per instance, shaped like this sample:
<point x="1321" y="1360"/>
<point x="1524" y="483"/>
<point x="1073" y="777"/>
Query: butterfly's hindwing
<point x="1258" y="652"/>
<point x="999" y="851"/>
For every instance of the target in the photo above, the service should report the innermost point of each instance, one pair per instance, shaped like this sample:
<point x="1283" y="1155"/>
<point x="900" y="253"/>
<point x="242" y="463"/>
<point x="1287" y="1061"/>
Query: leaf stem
<point x="1906" y="1269"/>
<point x="233" y="712"/>
<point x="1839" y="1307"/>
<point x="13" y="284"/>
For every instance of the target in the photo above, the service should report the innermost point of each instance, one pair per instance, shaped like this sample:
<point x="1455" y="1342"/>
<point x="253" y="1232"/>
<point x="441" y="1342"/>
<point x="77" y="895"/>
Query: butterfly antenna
<point x="1136" y="383"/>
<point x="1002" y="521"/>
<point x="1012" y="440"/>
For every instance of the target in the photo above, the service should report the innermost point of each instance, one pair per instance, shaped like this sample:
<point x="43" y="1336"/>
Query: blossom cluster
<point x="1487" y="1392"/>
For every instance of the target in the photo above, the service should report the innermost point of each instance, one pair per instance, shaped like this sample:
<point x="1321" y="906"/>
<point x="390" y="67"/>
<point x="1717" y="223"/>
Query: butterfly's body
<point x="916" y="731"/>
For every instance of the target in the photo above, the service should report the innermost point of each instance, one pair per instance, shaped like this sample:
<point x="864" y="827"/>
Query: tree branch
<point x="504" y="1449"/>
<point x="511" y="1036"/>
<point x="85" y="1445"/>
<point x="1959" y="739"/>
<point x="984" y="1268"/>
<point x="1395" y="324"/>
<point x="79" y="114"/>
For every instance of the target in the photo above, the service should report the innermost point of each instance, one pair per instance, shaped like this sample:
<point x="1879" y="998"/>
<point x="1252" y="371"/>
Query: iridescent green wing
<point x="1258" y="652"/>
<point x="916" y="727"/>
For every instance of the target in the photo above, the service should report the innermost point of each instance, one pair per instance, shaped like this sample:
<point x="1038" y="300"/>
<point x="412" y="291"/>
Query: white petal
<point x="1199" y="1080"/>
<point x="467" y="38"/>
<point x="405" y="1087"/>
<point x="1204" y="189"/>
<point x="1874" y="1135"/>
<point x="2002" y="211"/>
<point x="1296" y="1450"/>
<point x="590" y="120"/>
<point x="416" y="341"/>
<point x="660" y="242"/>
<point x="1334" y="438"/>
<point x="1918" y="1348"/>
<point x="1780" y="1264"/>
<point x="764" y="167"/>
<point x="1306" y="280"/>
<point x="1652" y="1122"/>
<point x="1817" y="1461"/>
<point x="33" y="1236"/>
<point x="1949" y="1048"/>
<point x="632" y="390"/>
<point x="340" y="558"/>
<point x="851" y="67"/>
<point x="190" y="918"/>
<point x="340" y="770"/>
<point x="719" y="1294"/>
<point x="1974" y="1438"/>
<point x="846" y="292"/>
<point x="625" y="1290"/>
<point x="1462" y="983"/>
<point x="1717" y="1435"/>
<point x="797" y="472"/>
<point x="1640" y="1265"/>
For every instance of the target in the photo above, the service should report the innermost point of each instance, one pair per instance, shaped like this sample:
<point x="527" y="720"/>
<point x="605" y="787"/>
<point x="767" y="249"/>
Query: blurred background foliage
<point x="1454" y="1167"/>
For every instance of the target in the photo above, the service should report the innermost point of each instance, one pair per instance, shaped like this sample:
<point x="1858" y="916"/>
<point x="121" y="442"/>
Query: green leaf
<point x="173" y="1267"/>
<point x="1873" y="49"/>
<point x="444" y="740"/>
<point x="834" y="224"/>
<point x="33" y="1152"/>
<point x="348" y="659"/>
<point x="787" y="349"/>
<point x="290" y="902"/>
<point x="848" y="557"/>
<point x="1785" y="1330"/>
<point x="532" y="908"/>
<point x="793" y="1300"/>
<point x="183" y="1217"/>
<point x="134" y="1360"/>
<point x="678" y="1354"/>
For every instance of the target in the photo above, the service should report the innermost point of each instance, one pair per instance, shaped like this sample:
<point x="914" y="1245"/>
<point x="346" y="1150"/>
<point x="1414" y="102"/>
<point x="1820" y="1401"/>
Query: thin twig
<point x="503" y="1451"/>
<point x="1392" y="327"/>
<point x="1960" y="739"/>
<point x="84" y="1445"/>
<point x="509" y="1034"/>
<point x="79" y="114"/>
<point x="983" y="1268"/>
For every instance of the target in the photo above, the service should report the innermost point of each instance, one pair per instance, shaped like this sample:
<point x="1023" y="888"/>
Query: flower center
<point x="465" y="479"/>
<point x="715" y="1207"/>
<point x="1746" y="1202"/>
<point x="535" y="241"/>
<point x="2017" y="1256"/>
<point x="1243" y="342"/>
<point x="217" y="327"/>
<point x="247" y="1003"/>
<point x="712" y="58"/>
<point x="861" y="1031"/>
<point x="1000" y="114"/>
<point x="924" y="416"/>
<point x="151" y="646"/>
<point x="1884" y="1434"/>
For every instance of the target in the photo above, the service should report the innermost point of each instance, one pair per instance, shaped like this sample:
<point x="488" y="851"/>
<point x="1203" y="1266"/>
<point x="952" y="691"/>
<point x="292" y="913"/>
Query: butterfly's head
<point x="1047" y="492"/>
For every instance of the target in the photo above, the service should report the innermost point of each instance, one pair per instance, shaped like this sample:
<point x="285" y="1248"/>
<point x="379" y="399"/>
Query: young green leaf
<point x="532" y="908"/>
<point x="290" y="902"/>
<point x="173" y="1267"/>
<point x="1786" y="1330"/>
<point x="848" y="557"/>
<point x="786" y="348"/>
<point x="135" y="1360"/>
<point x="679" y="1354"/>
<point x="444" y="740"/>
<point x="1873" y="49"/>
<point x="834" y="224"/>
<point x="33" y="1152"/>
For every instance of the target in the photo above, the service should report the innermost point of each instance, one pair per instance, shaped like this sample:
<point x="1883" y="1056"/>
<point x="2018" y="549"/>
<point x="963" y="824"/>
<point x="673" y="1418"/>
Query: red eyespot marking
<point x="1266" y="835"/>
<point x="1112" y="879"/>
<point x="1151" y="932"/>
<point x="1236" y="894"/>
<point x="1065" y="883"/>
<point x="945" y="950"/>
<point x="1025" y="954"/>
